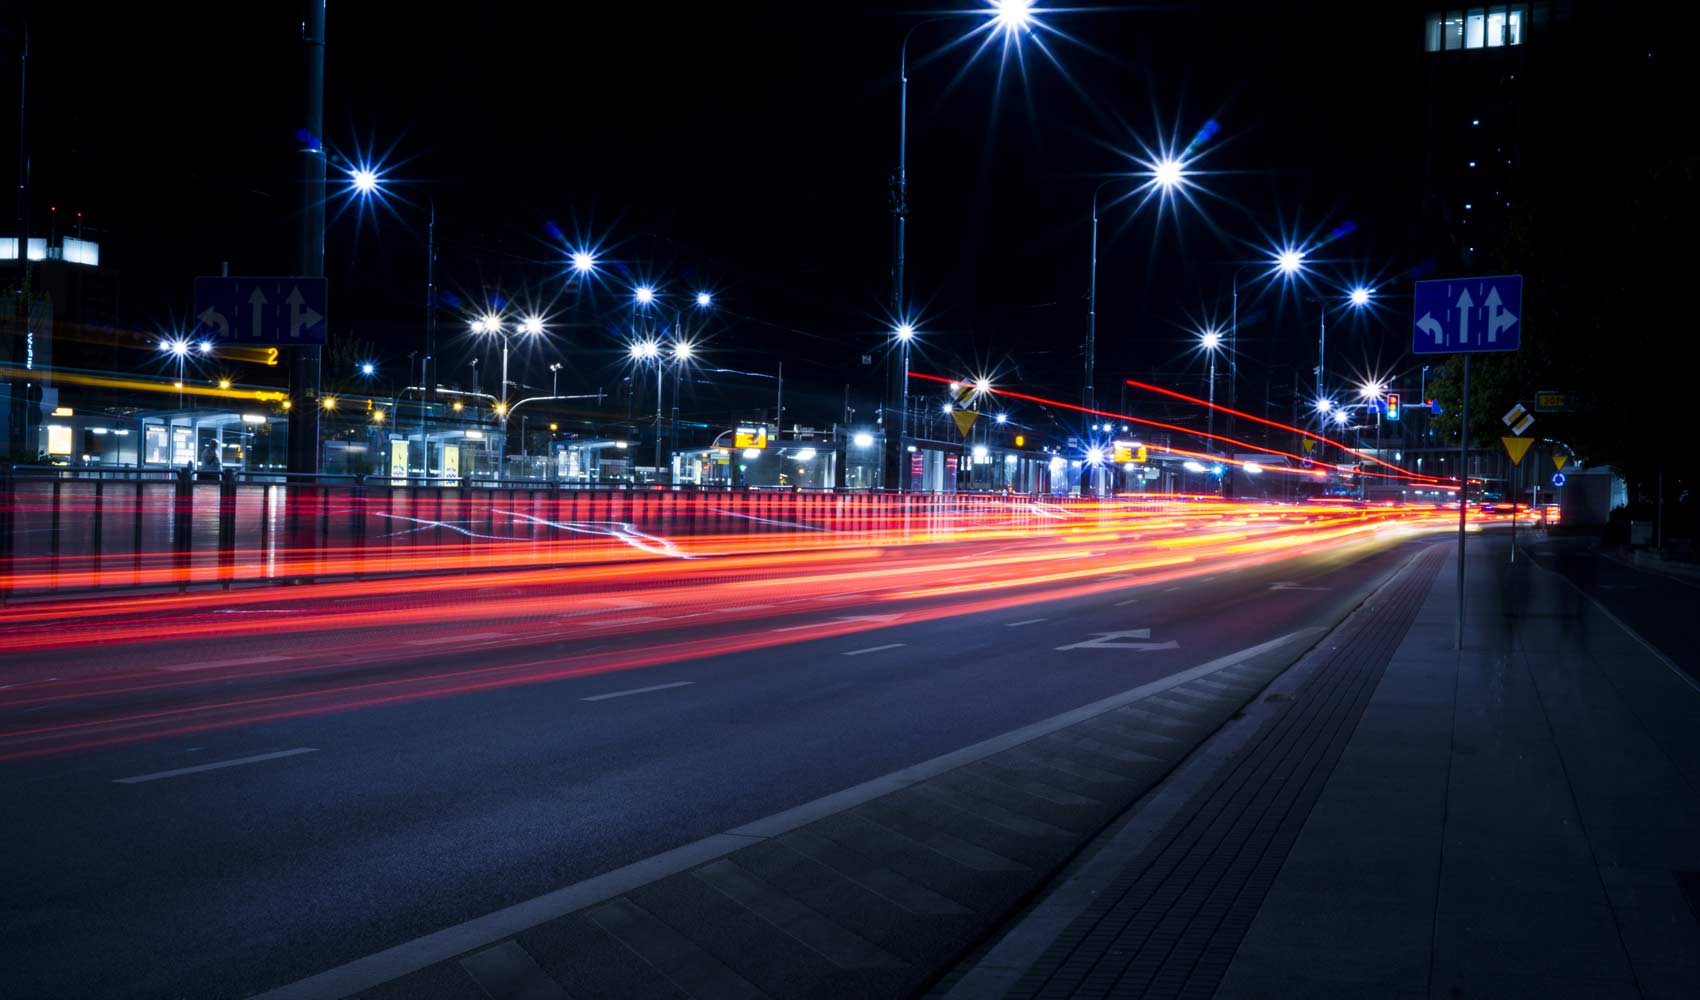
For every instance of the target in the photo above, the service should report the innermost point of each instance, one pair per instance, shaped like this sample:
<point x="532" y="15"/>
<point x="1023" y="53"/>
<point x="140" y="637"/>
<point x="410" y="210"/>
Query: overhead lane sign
<point x="281" y="312"/>
<point x="1466" y="315"/>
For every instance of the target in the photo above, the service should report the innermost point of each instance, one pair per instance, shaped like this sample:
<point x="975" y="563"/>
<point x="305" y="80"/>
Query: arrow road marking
<point x="1118" y="640"/>
<point x="1431" y="326"/>
<point x="299" y="314"/>
<point x="1464" y="304"/>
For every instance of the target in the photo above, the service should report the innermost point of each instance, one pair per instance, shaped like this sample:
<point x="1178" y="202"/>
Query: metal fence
<point x="90" y="531"/>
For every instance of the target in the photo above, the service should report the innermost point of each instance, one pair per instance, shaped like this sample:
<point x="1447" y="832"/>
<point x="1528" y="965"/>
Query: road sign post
<point x="1466" y="316"/>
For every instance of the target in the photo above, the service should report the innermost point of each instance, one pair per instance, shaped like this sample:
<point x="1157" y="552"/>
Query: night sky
<point x="746" y="148"/>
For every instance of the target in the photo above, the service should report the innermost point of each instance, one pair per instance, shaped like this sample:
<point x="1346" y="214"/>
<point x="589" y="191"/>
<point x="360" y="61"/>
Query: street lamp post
<point x="1010" y="17"/>
<point x="1211" y="341"/>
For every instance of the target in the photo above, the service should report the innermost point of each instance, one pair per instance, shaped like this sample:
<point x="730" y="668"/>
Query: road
<point x="212" y="795"/>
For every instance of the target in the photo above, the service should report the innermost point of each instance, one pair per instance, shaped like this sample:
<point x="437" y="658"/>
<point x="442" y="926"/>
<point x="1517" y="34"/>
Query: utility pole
<point x="304" y="367"/>
<point x="779" y="405"/>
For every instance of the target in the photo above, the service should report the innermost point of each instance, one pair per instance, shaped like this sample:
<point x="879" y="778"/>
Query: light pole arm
<point x="539" y="399"/>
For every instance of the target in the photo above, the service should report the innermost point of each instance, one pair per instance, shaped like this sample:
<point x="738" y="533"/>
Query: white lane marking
<point x="198" y="768"/>
<point x="841" y="618"/>
<point x="213" y="664"/>
<point x="641" y="619"/>
<point x="1123" y="604"/>
<point x="1170" y="590"/>
<point x="873" y="649"/>
<point x="471" y="637"/>
<point x="411" y="956"/>
<point x="642" y="690"/>
<point x="1289" y="585"/>
<point x="1025" y="621"/>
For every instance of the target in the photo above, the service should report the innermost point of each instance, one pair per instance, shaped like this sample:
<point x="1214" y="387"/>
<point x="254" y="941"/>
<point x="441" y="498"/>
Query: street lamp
<point x="1011" y="18"/>
<point x="555" y="379"/>
<point x="643" y="295"/>
<point x="1211" y="341"/>
<point x="490" y="324"/>
<point x="583" y="261"/>
<point x="178" y="348"/>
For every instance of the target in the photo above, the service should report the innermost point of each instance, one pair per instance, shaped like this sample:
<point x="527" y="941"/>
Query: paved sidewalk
<point x="1521" y="820"/>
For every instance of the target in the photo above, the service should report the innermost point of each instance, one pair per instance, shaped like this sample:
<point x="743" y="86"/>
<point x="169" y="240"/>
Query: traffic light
<point x="1393" y="406"/>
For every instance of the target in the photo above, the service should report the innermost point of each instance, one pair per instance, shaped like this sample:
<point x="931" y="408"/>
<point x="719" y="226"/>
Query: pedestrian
<point x="211" y="464"/>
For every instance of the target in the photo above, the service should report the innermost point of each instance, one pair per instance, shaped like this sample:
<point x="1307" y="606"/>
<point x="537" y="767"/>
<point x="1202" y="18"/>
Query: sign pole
<point x="1516" y="491"/>
<point x="1463" y="495"/>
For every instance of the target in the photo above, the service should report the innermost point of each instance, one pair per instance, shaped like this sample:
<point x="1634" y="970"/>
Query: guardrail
<point x="90" y="531"/>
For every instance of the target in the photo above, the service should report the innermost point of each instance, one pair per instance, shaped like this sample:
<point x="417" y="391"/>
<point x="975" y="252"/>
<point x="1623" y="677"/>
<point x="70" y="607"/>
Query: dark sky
<point x="744" y="147"/>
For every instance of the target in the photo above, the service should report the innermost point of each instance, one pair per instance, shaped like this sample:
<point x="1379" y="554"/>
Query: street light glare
<point x="1012" y="15"/>
<point x="1211" y="340"/>
<point x="532" y="325"/>
<point x="1360" y="296"/>
<point x="704" y="299"/>
<point x="682" y="351"/>
<point x="644" y="350"/>
<point x="982" y="385"/>
<point x="583" y="262"/>
<point x="905" y="331"/>
<point x="206" y="347"/>
<point x="1168" y="173"/>
<point x="368" y="368"/>
<point x="1324" y="405"/>
<point x="363" y="179"/>
<point x="1341" y="416"/>
<point x="644" y="295"/>
<point x="1290" y="261"/>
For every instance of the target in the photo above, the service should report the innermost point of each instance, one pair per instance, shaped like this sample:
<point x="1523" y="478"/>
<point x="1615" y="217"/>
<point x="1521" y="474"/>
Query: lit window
<point x="1474" y="23"/>
<point x="1453" y="29"/>
<point x="1432" y="28"/>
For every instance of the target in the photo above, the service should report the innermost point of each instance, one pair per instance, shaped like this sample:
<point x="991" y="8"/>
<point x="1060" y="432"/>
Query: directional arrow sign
<point x="1459" y="315"/>
<point x="1121" y="640"/>
<point x="281" y="312"/>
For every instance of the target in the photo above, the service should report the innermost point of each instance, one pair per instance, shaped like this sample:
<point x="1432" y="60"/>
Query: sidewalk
<point x="1521" y="820"/>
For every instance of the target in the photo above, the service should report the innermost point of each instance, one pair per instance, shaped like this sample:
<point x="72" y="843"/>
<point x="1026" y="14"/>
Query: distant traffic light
<point x="1393" y="406"/>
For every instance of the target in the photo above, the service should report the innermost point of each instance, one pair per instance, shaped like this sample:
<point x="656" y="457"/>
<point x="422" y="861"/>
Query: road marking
<point x="1170" y="590"/>
<point x="883" y="619"/>
<point x="642" y="690"/>
<point x="214" y="664"/>
<point x="472" y="637"/>
<point x="198" y="768"/>
<point x="1119" y="640"/>
<point x="1025" y="621"/>
<point x="873" y="649"/>
<point x="1123" y="604"/>
<point x="481" y="932"/>
<point x="616" y="623"/>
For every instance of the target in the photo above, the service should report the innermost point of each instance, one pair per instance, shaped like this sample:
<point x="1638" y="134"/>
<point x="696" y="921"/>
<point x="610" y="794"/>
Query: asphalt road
<point x="447" y="773"/>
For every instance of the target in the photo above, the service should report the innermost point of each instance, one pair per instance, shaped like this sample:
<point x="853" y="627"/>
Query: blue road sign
<point x="1465" y="315"/>
<point x="1557" y="479"/>
<point x="281" y="312"/>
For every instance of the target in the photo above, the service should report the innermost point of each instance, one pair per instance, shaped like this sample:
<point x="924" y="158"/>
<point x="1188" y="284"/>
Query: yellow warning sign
<point x="1516" y="447"/>
<point x="964" y="420"/>
<point x="1560" y="461"/>
<point x="1307" y="444"/>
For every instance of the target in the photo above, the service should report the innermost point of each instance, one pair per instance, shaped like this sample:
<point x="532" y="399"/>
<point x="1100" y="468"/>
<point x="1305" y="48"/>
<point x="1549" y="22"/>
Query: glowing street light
<point x="683" y="351"/>
<point x="1324" y="404"/>
<point x="1341" y="417"/>
<point x="583" y="261"/>
<point x="368" y="369"/>
<point x="1168" y="173"/>
<point x="643" y="294"/>
<point x="364" y="180"/>
<point x="644" y="350"/>
<point x="1359" y="296"/>
<point x="704" y="300"/>
<point x="1290" y="261"/>
<point x="1210" y="340"/>
<point x="1371" y="390"/>
<point x="905" y="332"/>
<point x="1012" y="16"/>
<point x="532" y="326"/>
